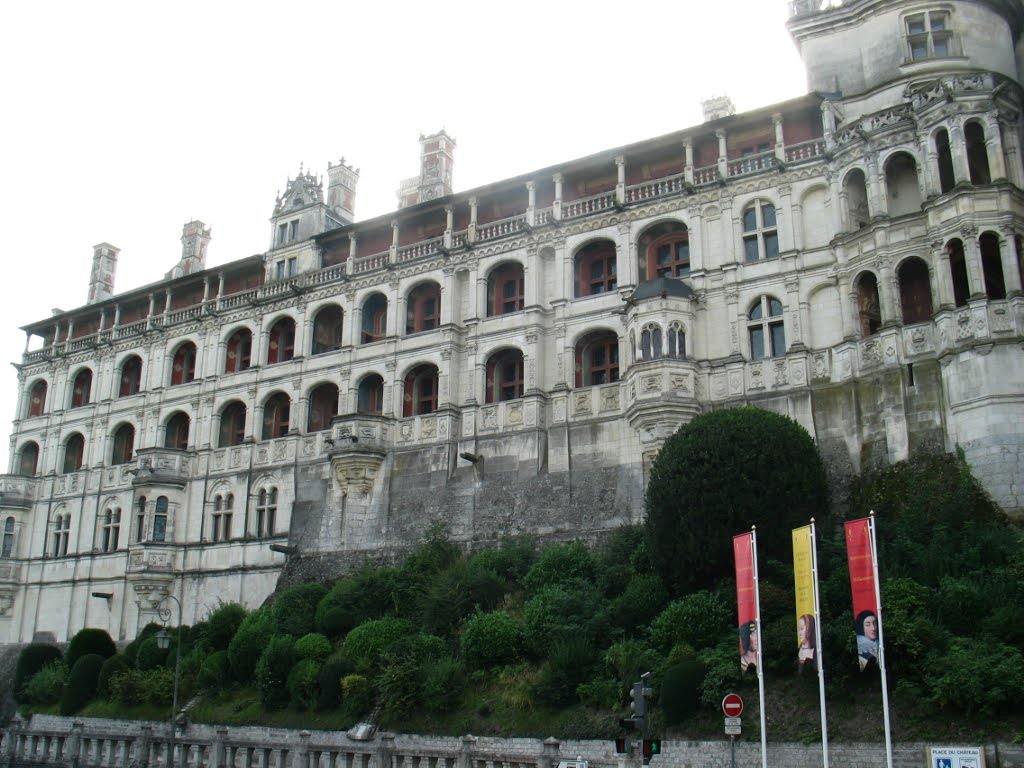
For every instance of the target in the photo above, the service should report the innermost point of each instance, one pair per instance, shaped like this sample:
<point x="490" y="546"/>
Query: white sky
<point x="124" y="120"/>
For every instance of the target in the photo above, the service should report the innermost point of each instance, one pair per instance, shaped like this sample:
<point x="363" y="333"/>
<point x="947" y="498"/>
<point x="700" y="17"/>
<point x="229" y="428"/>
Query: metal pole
<point x="760" y="666"/>
<point x="881" y="643"/>
<point x="165" y="615"/>
<point x="732" y="749"/>
<point x="819" y="661"/>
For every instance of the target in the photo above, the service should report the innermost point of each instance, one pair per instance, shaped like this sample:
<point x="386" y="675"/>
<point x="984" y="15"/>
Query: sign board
<point x="956" y="757"/>
<point x="732" y="726"/>
<point x="732" y="705"/>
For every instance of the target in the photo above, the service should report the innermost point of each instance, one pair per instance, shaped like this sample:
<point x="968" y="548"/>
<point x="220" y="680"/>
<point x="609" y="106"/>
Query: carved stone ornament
<point x="356" y="471"/>
<point x="6" y="602"/>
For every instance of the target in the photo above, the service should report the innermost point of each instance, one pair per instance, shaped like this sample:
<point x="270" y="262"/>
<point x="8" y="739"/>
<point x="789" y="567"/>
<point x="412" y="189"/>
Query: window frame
<point x="232" y="434"/>
<point x="507" y="274"/>
<point x="420" y="316"/>
<point x="760" y="233"/>
<point x="81" y="388"/>
<point x="265" y="519"/>
<point x="238" y="354"/>
<point x="607" y="342"/>
<point x="420" y="391"/>
<point x="281" y="341"/>
<point x="764" y="325"/>
<point x="928" y="34"/>
<point x="110" y="530"/>
<point x="601" y="252"/>
<point x="499" y="386"/>
<point x="677" y="266"/>
<point x="131" y="376"/>
<point x="37" y="398"/>
<point x="183" y="364"/>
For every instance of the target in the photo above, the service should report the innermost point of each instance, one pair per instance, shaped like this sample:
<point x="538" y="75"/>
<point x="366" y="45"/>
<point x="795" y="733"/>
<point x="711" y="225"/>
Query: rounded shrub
<point x="88" y="641"/>
<point x="132" y="649"/>
<point x="560" y="563"/>
<point x="365" y="643"/>
<point x="215" y="673"/>
<point x="222" y="625"/>
<point x="329" y="681"/>
<point x="294" y="609"/>
<point x="366" y="594"/>
<point x="700" y="620"/>
<point x="357" y="695"/>
<point x="247" y="645"/>
<point x="491" y="638"/>
<point x="272" y="669"/>
<point x="46" y="686"/>
<point x="32" y="658"/>
<point x="313" y="646"/>
<point x="304" y="685"/>
<point x="150" y="655"/>
<point x="82" y="682"/>
<point x="111" y="667"/>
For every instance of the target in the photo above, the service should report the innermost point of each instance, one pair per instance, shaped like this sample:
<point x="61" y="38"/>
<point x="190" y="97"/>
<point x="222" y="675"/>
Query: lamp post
<point x="163" y="641"/>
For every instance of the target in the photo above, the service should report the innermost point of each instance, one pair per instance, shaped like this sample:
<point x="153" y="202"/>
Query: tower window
<point x="929" y="35"/>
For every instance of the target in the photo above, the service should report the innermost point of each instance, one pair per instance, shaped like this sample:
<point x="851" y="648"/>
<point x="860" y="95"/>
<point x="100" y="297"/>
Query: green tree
<point x="719" y="475"/>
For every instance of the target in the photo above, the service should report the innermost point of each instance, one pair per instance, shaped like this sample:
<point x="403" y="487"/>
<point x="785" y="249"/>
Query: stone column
<point x="556" y="205"/>
<point x="620" y="183"/>
<point x="352" y="249"/>
<point x="878" y="204"/>
<point x="958" y="151"/>
<point x="828" y="125"/>
<point x="393" y="250"/>
<point x="943" y="274"/>
<point x="688" y="166"/>
<point x="780" y="141"/>
<point x="471" y="230"/>
<point x="1008" y="260"/>
<point x="723" y="155"/>
<point x="784" y="219"/>
<point x="531" y="203"/>
<point x="449" y="226"/>
<point x="972" y="257"/>
<point x="994" y="147"/>
<point x="887" y="290"/>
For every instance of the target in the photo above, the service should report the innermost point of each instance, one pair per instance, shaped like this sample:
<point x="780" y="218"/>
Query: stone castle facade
<point x="509" y="359"/>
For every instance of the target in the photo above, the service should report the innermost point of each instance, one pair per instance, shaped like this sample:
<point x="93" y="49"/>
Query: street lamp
<point x="163" y="642"/>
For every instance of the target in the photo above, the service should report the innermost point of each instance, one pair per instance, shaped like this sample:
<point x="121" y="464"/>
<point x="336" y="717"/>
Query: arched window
<point x="420" y="391"/>
<point x="276" y="412"/>
<point x="323" y="407"/>
<point x="944" y="156"/>
<point x="131" y="376"/>
<point x="505" y="289"/>
<point x="28" y="459"/>
<point x="74" y="453"/>
<point x="266" y="513"/>
<point x="61" y="534"/>
<point x="868" y="307"/>
<point x="183" y="367"/>
<point x="124" y="444"/>
<point x="902" y="186"/>
<point x="140" y="519"/>
<point x="766" y="329"/>
<point x="160" y="519"/>
<point x="327" y="327"/>
<point x="992" y="266"/>
<point x="176" y="434"/>
<point x="375" y="319"/>
<point x="597" y="359"/>
<point x="223" y="512"/>
<point x="7" y="548"/>
<point x="915" y="291"/>
<point x="760" y="232"/>
<point x="855" y="189"/>
<point x="650" y="342"/>
<point x="977" y="153"/>
<point x="958" y="272"/>
<point x="664" y="251"/>
<point x="595" y="269"/>
<point x="232" y="424"/>
<point x="281" y="345"/>
<point x="110" y="534"/>
<point x="423" y="308"/>
<point x="676" y="341"/>
<point x="37" y="399"/>
<point x="239" y="352"/>
<point x="371" y="395"/>
<point x="81" y="390"/>
<point x="504" y="377"/>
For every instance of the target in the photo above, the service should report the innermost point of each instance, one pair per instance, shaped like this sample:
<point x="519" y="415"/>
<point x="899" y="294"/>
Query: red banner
<point x="746" y="599"/>
<point x="862" y="588"/>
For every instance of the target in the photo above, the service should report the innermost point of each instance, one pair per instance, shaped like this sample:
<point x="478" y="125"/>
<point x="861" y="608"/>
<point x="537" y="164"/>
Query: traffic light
<point x="649" y="748"/>
<point x="639" y="701"/>
<point x="622" y="746"/>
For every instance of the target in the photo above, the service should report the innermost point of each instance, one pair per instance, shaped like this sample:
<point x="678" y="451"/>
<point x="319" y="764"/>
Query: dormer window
<point x="287" y="232"/>
<point x="929" y="35"/>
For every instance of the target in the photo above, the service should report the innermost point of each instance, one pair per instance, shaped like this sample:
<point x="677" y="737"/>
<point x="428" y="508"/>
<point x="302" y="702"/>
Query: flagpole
<point x="881" y="642"/>
<point x="760" y="670"/>
<point x="819" y="661"/>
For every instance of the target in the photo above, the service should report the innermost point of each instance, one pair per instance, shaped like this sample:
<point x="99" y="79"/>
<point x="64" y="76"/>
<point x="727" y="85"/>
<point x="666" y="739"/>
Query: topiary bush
<point x="82" y="681"/>
<point x="294" y="609"/>
<point x="32" y="658"/>
<point x="313" y="646"/>
<point x="366" y="594"/>
<point x="565" y="611"/>
<point x="715" y="478"/>
<point x="222" y="625"/>
<point x="304" y="685"/>
<point x="46" y="686"/>
<point x="560" y="563"/>
<point x="700" y="620"/>
<point x="356" y="695"/>
<point x="247" y="645"/>
<point x="272" y="669"/>
<point x="86" y="641"/>
<point x="150" y="655"/>
<point x="111" y="667"/>
<point x="132" y="649"/>
<point x="365" y="643"/>
<point x="215" y="672"/>
<point x="329" y="681"/>
<point x="491" y="638"/>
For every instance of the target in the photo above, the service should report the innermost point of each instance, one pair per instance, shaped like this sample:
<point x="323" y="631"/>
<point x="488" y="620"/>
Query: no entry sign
<point x="732" y="705"/>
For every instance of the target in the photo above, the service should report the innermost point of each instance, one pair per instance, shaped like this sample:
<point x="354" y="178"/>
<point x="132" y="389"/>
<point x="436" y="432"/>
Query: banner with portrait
<point x="805" y="586"/>
<point x="860" y="558"/>
<point x="743" y="547"/>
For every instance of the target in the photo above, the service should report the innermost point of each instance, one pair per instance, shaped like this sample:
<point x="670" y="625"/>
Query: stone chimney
<point x="717" y="107"/>
<point x="437" y="161"/>
<point x="104" y="265"/>
<point x="195" y="237"/>
<point x="341" y="190"/>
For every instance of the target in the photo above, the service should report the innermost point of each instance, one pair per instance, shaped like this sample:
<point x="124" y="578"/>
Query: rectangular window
<point x="293" y="230"/>
<point x="293" y="266"/>
<point x="279" y="270"/>
<point x="929" y="35"/>
<point x="757" y="344"/>
<point x="282" y="234"/>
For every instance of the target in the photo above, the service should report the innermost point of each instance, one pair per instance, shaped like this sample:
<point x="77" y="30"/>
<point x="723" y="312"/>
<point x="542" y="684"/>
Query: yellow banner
<point x="803" y="581"/>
